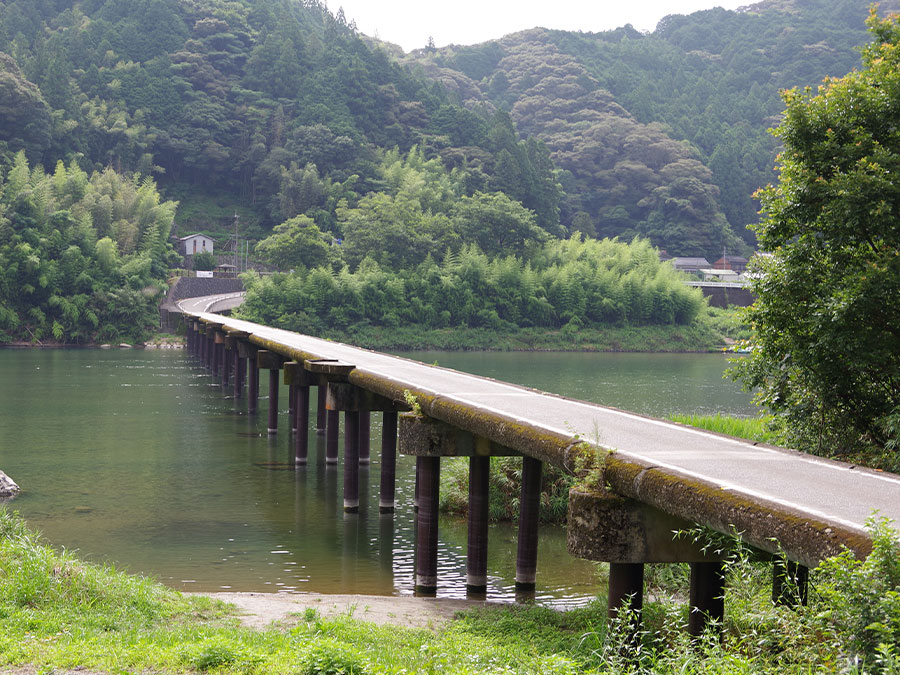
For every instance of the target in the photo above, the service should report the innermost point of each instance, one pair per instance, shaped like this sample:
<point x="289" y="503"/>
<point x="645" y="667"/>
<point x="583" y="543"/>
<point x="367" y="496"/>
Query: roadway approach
<point x="779" y="500"/>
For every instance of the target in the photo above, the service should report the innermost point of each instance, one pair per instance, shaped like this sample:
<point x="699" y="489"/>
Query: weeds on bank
<point x="59" y="612"/>
<point x="505" y="486"/>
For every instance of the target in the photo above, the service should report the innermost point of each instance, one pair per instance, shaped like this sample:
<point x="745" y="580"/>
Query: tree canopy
<point x="827" y="355"/>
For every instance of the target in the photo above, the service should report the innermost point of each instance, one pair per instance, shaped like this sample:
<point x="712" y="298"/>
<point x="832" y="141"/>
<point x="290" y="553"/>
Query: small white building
<point x="195" y="243"/>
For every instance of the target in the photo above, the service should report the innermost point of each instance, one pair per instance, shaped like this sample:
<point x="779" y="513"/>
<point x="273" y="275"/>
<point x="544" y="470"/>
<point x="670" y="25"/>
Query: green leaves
<point x="828" y="363"/>
<point x="57" y="280"/>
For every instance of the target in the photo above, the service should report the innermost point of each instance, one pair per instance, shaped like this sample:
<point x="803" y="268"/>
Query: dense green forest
<point x="340" y="153"/>
<point x="81" y="257"/>
<point x="278" y="108"/>
<point x="662" y="134"/>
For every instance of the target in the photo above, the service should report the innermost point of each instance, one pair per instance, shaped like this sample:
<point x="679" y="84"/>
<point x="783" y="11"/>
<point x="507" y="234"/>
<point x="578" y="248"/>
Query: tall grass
<point x="57" y="612"/>
<point x="759" y="429"/>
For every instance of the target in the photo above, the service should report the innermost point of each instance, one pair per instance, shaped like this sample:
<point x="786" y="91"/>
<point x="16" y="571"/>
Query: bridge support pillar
<point x="365" y="435"/>
<point x="210" y="348"/>
<point x="429" y="471"/>
<point x="428" y="440"/>
<point x="529" y="516"/>
<point x="301" y="424"/>
<point x="239" y="370"/>
<point x="388" y="462"/>
<point x="351" y="461"/>
<point x="227" y="364"/>
<point x="321" y="411"/>
<point x="626" y="588"/>
<point x="250" y="353"/>
<point x="707" y="596"/>
<point x="272" y="362"/>
<point x="332" y="430"/>
<point x="217" y="349"/>
<point x="790" y="582"/>
<point x="292" y="408"/>
<point x="476" y="554"/>
<point x="273" y="401"/>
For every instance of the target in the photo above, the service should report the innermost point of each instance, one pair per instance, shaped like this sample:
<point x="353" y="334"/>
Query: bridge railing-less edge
<point x="625" y="516"/>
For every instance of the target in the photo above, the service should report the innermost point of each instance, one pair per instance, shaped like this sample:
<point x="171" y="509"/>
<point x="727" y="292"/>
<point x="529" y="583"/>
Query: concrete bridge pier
<point x="207" y="350"/>
<point x="428" y="469"/>
<point x="387" y="491"/>
<point x="356" y="404"/>
<point x="529" y="517"/>
<point x="627" y="534"/>
<point x="365" y="436"/>
<point x="233" y="341"/>
<point x="790" y="582"/>
<point x="479" y="503"/>
<point x="429" y="440"/>
<point x="707" y="596"/>
<point x="267" y="360"/>
<point x="351" y="461"/>
<point x="325" y="371"/>
<point x="248" y="352"/>
<point x="227" y="362"/>
<point x="218" y="343"/>
<point x="299" y="382"/>
<point x="321" y="412"/>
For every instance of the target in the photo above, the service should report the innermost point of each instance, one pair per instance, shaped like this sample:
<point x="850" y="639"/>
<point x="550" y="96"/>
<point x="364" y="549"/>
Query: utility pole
<point x="236" y="267"/>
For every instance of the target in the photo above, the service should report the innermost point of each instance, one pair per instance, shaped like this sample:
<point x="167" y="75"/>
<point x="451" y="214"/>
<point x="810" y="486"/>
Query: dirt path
<point x="258" y="610"/>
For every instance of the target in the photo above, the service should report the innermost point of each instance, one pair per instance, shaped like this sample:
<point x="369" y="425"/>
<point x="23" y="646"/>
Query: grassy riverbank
<point x="708" y="333"/>
<point x="58" y="612"/>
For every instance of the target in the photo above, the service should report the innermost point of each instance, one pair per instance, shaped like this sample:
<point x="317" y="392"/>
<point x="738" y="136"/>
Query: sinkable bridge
<point x="653" y="476"/>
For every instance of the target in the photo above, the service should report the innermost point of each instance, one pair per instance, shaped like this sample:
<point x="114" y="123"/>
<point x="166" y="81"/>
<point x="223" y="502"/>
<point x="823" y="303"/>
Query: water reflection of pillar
<point x="321" y="416"/>
<point x="350" y="550"/>
<point x="529" y="514"/>
<point x="332" y="429"/>
<point x="351" y="461"/>
<point x="476" y="556"/>
<point x="386" y="543"/>
<point x="388" y="462"/>
<point x="428" y="470"/>
<point x="365" y="435"/>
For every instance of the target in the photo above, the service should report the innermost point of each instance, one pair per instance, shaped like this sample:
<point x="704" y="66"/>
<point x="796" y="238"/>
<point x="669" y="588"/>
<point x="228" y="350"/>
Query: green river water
<point x="140" y="459"/>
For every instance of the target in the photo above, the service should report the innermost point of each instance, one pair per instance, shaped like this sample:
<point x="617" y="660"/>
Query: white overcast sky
<point x="409" y="23"/>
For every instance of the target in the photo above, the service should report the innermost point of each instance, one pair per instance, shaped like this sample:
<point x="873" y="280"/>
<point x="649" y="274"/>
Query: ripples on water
<point x="137" y="457"/>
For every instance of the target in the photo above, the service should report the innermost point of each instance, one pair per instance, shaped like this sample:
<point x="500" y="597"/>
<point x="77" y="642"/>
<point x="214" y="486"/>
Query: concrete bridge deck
<point x="780" y="500"/>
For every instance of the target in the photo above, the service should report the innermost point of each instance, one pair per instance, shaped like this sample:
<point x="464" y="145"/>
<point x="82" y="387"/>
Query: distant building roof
<point x="690" y="263"/>
<point x="191" y="236"/>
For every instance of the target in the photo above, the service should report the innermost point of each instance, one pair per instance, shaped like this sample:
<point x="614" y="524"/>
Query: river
<point x="137" y="458"/>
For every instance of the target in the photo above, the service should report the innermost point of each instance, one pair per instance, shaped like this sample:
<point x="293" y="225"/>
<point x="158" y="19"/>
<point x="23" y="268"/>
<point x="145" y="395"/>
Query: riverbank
<point x="61" y="614"/>
<point x="659" y="339"/>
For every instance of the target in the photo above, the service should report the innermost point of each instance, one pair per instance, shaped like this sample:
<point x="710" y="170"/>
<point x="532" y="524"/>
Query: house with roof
<point x="194" y="243"/>
<point x="690" y="265"/>
<point x="731" y="262"/>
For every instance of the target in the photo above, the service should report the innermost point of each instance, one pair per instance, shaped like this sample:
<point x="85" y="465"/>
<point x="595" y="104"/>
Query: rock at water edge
<point x="8" y="487"/>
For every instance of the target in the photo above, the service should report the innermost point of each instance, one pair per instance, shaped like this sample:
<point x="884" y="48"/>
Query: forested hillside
<point x="270" y="107"/>
<point x="663" y="134"/>
<point x="339" y="153"/>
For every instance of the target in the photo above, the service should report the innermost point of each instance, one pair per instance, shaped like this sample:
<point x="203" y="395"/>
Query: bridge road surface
<point x="813" y="506"/>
